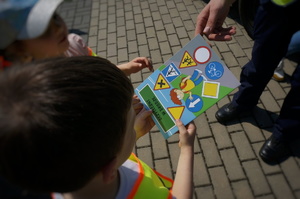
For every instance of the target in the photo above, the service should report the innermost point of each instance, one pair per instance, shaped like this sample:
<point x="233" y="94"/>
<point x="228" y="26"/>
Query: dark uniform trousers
<point x="273" y="28"/>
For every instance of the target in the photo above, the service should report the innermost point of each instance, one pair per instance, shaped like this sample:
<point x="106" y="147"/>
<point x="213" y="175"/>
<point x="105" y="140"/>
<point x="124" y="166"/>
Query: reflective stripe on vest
<point x="282" y="2"/>
<point x="150" y="184"/>
<point x="91" y="53"/>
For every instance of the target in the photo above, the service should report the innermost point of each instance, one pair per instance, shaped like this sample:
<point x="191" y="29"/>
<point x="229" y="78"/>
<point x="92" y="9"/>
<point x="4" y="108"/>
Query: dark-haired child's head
<point x="62" y="121"/>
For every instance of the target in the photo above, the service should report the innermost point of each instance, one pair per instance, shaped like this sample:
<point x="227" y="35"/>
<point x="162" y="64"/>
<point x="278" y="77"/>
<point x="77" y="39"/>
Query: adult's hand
<point x="211" y="19"/>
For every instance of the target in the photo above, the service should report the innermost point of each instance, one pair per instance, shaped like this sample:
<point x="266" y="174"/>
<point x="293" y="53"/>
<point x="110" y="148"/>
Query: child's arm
<point x="136" y="65"/>
<point x="183" y="183"/>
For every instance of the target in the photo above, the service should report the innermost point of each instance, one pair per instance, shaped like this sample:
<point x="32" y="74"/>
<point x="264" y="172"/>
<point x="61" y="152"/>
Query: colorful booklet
<point x="186" y="85"/>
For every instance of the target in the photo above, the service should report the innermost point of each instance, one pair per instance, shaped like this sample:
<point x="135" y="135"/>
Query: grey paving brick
<point x="221" y="136"/>
<point x="210" y="152"/>
<point x="242" y="145"/>
<point x="153" y="7"/>
<point x="164" y="47"/>
<point x="166" y="18"/>
<point x="184" y="15"/>
<point x="140" y="28"/>
<point x="170" y="29"/>
<point x="146" y="13"/>
<point x="144" y="141"/>
<point x="92" y="41"/>
<point x="144" y="50"/>
<point x="150" y="31"/>
<point x="269" y="102"/>
<point x="276" y="90"/>
<point x="234" y="128"/>
<point x="211" y="112"/>
<point x="256" y="177"/>
<point x="253" y="132"/>
<point x="291" y="171"/>
<point x="145" y="155"/>
<point x="243" y="42"/>
<point x="175" y="49"/>
<point x="173" y="39"/>
<point x="122" y="55"/>
<point x="242" y="61"/>
<point x="163" y="9"/>
<point x="232" y="164"/>
<point x="241" y="189"/>
<point x="230" y="60"/>
<point x="205" y="192"/>
<point x="222" y="47"/>
<point x="135" y="2"/>
<point x="184" y="41"/>
<point x="112" y="38"/>
<point x="159" y="146"/>
<point x="237" y="50"/>
<point x="189" y="25"/>
<point x="220" y="183"/>
<point x="132" y="46"/>
<point x="200" y="171"/>
<point x="177" y="22"/>
<point x="158" y="25"/>
<point x="148" y="22"/>
<point x="269" y="196"/>
<point x="203" y="128"/>
<point x="280" y="186"/>
<point x="161" y="35"/>
<point x="174" y="12"/>
<point x="138" y="18"/>
<point x="122" y="42"/>
<point x="163" y="166"/>
<point x="181" y="32"/>
<point x="132" y="56"/>
<point x="248" y="52"/>
<point x="155" y="55"/>
<point x="111" y="50"/>
<point x="142" y="39"/>
<point x="136" y="77"/>
<point x="131" y="35"/>
<point x="174" y="155"/>
<point x="144" y="4"/>
<point x="102" y="45"/>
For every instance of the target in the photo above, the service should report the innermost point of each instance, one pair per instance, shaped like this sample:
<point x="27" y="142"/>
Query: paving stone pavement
<point x="227" y="164"/>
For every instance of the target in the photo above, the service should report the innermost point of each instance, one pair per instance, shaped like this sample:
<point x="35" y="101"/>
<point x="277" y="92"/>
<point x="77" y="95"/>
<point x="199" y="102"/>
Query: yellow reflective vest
<point x="150" y="184"/>
<point x="283" y="2"/>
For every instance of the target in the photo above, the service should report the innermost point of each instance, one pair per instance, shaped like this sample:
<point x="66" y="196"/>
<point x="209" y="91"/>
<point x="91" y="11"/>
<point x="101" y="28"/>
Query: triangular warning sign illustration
<point x="161" y="83"/>
<point x="187" y="61"/>
<point x="176" y="111"/>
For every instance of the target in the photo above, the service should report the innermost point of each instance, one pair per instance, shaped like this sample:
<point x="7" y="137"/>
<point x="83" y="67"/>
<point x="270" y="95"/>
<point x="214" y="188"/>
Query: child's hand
<point x="143" y="123"/>
<point x="137" y="105"/>
<point x="186" y="134"/>
<point x="136" y="65"/>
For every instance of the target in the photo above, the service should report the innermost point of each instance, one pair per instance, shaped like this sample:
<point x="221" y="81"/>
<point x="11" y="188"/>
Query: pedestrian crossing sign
<point x="171" y="72"/>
